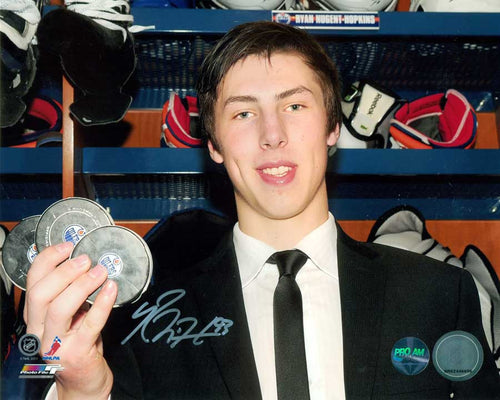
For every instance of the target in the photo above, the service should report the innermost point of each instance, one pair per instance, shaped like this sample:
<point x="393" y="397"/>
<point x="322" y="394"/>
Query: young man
<point x="269" y="99"/>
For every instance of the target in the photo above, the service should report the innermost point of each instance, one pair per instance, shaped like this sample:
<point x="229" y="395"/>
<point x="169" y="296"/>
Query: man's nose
<point x="273" y="131"/>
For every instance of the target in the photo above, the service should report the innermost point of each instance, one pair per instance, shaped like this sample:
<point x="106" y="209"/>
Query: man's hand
<point x="56" y="290"/>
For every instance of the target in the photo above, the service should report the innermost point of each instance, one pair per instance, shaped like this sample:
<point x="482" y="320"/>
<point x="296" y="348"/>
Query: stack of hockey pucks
<point x="91" y="229"/>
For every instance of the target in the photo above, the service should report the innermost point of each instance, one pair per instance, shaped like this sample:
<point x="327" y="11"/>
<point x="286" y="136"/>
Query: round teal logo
<point x="410" y="356"/>
<point x="458" y="356"/>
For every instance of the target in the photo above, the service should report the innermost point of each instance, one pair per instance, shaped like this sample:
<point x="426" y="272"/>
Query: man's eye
<point x="295" y="107"/>
<point x="243" y="115"/>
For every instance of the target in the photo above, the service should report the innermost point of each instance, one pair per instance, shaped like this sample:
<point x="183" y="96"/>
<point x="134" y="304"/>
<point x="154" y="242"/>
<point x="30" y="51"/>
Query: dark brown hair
<point x="265" y="38"/>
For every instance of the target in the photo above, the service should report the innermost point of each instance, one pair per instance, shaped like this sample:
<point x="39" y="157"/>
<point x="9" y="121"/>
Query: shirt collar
<point x="320" y="245"/>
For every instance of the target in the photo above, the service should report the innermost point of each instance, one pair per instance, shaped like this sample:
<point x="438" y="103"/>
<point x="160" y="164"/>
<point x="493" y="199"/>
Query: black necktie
<point x="289" y="348"/>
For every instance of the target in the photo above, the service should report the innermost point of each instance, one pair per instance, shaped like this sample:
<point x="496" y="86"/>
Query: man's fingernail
<point x="97" y="271"/>
<point x="64" y="247"/>
<point x="109" y="287"/>
<point x="81" y="261"/>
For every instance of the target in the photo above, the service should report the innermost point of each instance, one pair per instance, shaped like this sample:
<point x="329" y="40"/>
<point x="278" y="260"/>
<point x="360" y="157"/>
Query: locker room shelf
<point x="445" y="184"/>
<point x="109" y="161"/>
<point x="30" y="160"/>
<point x="391" y="23"/>
<point x="30" y="180"/>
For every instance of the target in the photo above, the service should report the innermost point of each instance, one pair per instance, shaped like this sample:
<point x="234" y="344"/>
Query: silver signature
<point x="178" y="328"/>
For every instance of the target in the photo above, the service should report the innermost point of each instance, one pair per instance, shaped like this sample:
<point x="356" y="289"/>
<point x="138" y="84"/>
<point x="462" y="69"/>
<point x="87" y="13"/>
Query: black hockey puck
<point x="19" y="250"/>
<point x="68" y="220"/>
<point x="125" y="255"/>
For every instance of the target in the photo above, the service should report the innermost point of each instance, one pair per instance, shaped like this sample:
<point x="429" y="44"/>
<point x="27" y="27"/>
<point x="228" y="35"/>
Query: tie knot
<point x="289" y="261"/>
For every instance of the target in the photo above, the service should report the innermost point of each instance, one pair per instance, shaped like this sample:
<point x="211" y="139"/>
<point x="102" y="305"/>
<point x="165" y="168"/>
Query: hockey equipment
<point x="248" y="4"/>
<point x="97" y="54"/>
<point x="455" y="5"/>
<point x="18" y="23"/>
<point x="164" y="3"/>
<point x="358" y="5"/>
<point x="489" y="293"/>
<point x="50" y="139"/>
<point x="180" y="127"/>
<point x="44" y="115"/>
<point x="126" y="257"/>
<point x="17" y="70"/>
<point x="443" y="120"/>
<point x="112" y="14"/>
<point x="404" y="227"/>
<point x="19" y="251"/>
<point x="367" y="110"/>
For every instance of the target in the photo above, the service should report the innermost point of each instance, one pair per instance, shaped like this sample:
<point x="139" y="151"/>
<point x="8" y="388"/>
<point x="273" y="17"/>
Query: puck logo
<point x="113" y="264"/>
<point x="73" y="233"/>
<point x="32" y="253"/>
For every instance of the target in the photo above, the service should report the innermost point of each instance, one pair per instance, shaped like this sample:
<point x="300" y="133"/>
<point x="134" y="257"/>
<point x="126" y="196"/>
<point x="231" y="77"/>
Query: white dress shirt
<point x="319" y="284"/>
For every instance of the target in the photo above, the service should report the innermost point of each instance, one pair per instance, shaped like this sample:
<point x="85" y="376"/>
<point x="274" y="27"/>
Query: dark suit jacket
<point x="179" y="345"/>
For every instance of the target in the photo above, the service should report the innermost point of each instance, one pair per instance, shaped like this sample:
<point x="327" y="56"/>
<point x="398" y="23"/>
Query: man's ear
<point x="214" y="153"/>
<point x="333" y="136"/>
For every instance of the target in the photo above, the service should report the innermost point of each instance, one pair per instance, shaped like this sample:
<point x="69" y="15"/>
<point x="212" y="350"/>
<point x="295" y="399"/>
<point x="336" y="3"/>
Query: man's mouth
<point x="277" y="171"/>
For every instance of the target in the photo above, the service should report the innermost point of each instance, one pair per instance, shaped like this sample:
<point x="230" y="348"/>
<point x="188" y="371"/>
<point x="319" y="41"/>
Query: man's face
<point x="270" y="123"/>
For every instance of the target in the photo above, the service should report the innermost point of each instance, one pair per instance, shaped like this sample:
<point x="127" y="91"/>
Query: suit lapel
<point x="218" y="294"/>
<point x="362" y="287"/>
